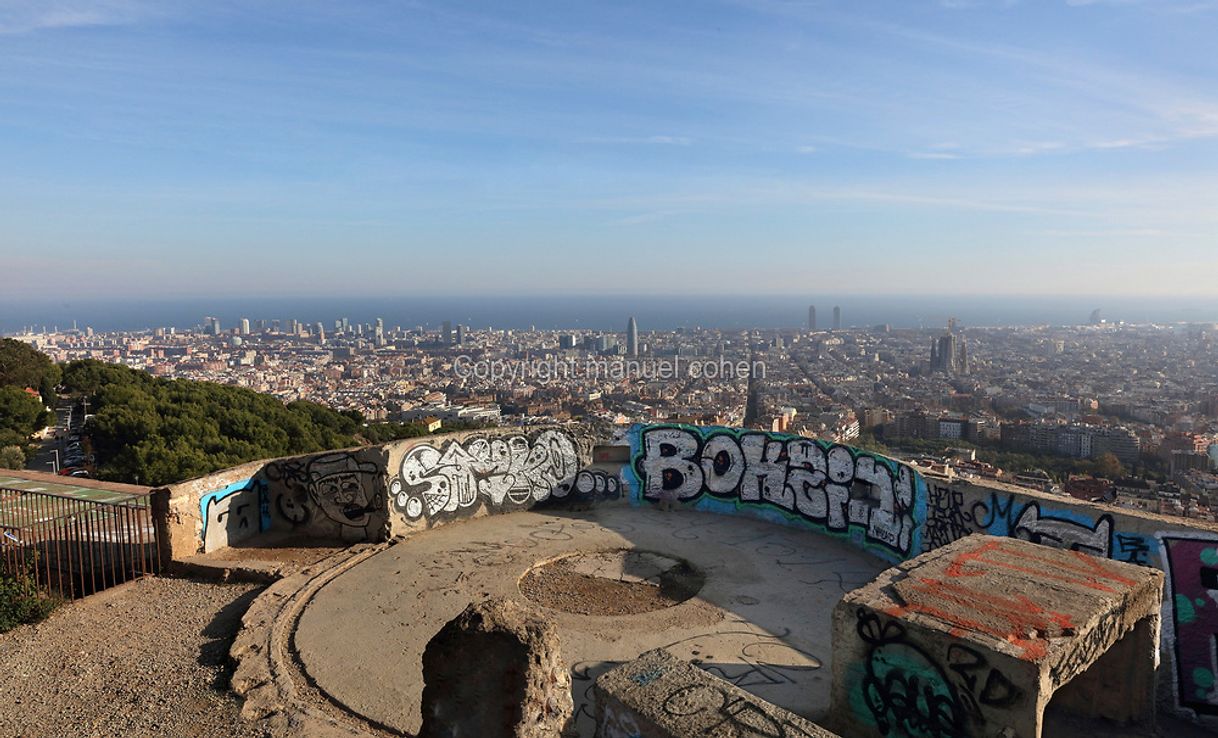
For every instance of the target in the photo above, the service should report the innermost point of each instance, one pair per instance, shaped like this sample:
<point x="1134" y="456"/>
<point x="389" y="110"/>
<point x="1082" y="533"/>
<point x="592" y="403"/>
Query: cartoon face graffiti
<point x="343" y="488"/>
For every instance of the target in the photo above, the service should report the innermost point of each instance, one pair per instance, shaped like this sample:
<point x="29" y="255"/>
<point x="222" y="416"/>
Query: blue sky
<point x="377" y="148"/>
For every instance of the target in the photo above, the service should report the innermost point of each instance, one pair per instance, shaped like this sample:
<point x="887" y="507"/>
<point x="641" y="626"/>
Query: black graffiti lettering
<point x="905" y="691"/>
<point x="1132" y="549"/>
<point x="726" y="713"/>
<point x="946" y="520"/>
<point x="970" y="666"/>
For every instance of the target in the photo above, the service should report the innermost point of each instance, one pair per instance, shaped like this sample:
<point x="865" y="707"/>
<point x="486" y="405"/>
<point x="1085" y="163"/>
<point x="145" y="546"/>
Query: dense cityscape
<point x="1100" y="411"/>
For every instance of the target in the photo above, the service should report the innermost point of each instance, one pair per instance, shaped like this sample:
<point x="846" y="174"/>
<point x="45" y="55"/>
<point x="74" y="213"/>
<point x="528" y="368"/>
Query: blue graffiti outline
<point x="767" y="510"/>
<point x="219" y="495"/>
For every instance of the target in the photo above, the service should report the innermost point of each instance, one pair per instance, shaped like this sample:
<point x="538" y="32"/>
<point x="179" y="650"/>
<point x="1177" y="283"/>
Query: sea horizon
<point x="606" y="312"/>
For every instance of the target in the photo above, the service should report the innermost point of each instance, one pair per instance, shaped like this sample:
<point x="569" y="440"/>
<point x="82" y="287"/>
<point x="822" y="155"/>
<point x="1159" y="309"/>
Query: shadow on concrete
<point x="220" y="633"/>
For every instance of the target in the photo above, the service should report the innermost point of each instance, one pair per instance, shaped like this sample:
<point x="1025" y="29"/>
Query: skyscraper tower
<point x="837" y="318"/>
<point x="949" y="352"/>
<point x="632" y="337"/>
<point x="446" y="332"/>
<point x="811" y="317"/>
<point x="245" y="326"/>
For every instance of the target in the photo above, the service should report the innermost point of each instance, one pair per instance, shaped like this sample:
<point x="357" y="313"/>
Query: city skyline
<point x="170" y="149"/>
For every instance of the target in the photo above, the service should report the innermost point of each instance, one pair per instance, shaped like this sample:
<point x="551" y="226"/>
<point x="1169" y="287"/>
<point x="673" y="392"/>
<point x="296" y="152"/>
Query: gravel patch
<point x="622" y="582"/>
<point x="149" y="658"/>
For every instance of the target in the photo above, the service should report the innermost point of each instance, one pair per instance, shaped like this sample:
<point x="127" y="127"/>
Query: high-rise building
<point x="245" y="326"/>
<point x="460" y="334"/>
<point x="566" y="341"/>
<point x="949" y="352"/>
<point x="446" y="332"/>
<point x="320" y="330"/>
<point x="837" y="318"/>
<point x="632" y="337"/>
<point x="215" y="326"/>
<point x="811" y="317"/>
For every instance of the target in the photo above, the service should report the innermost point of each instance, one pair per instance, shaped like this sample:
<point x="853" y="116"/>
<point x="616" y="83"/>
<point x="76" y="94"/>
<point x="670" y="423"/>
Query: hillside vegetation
<point x="22" y="413"/>
<point x="156" y="431"/>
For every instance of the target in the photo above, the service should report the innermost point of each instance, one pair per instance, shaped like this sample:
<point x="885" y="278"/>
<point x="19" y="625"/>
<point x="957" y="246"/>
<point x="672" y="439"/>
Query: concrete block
<point x="495" y="671"/>
<point x="976" y="637"/>
<point x="660" y="696"/>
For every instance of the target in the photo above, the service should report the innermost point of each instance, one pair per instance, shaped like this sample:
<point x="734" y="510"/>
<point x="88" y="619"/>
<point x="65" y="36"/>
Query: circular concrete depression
<point x="622" y="581"/>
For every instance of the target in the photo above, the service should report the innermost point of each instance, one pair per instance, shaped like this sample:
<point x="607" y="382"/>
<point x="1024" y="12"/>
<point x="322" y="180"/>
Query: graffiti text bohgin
<point x="835" y="487"/>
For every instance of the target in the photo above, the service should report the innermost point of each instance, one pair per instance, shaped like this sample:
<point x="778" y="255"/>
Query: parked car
<point x="80" y="473"/>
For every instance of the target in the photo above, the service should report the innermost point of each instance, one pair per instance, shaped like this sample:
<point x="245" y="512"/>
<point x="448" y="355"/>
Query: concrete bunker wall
<point x="443" y="479"/>
<point x="373" y="492"/>
<point x="896" y="513"/>
<point x="873" y="501"/>
<point x="1187" y="552"/>
<point x="885" y="507"/>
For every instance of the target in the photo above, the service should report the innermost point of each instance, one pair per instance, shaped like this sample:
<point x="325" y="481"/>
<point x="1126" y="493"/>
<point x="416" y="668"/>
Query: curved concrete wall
<point x="884" y="506"/>
<point x="874" y="501"/>
<point x="374" y="492"/>
<point x="895" y="512"/>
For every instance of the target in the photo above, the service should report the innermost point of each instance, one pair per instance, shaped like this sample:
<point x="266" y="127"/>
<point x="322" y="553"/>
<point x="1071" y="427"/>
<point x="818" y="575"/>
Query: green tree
<point x="12" y="457"/>
<point x="158" y="431"/>
<point x="22" y="365"/>
<point x="21" y="412"/>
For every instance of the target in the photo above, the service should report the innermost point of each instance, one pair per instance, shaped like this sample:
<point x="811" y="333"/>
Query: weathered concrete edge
<point x="266" y="674"/>
<point x="630" y="701"/>
<point x="257" y="572"/>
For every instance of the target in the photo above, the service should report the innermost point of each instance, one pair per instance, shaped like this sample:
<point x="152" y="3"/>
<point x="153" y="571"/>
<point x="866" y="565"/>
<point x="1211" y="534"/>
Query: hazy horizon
<point x="608" y="312"/>
<point x="162" y="148"/>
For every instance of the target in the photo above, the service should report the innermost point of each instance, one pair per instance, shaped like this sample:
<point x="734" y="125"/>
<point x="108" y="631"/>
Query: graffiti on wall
<point x="587" y="487"/>
<point x="500" y="474"/>
<point x="234" y="513"/>
<point x="949" y="517"/>
<point x="907" y="690"/>
<point x="342" y="489"/>
<point x="833" y="486"/>
<point x="1192" y="628"/>
<point x="1190" y="611"/>
<point x="904" y="690"/>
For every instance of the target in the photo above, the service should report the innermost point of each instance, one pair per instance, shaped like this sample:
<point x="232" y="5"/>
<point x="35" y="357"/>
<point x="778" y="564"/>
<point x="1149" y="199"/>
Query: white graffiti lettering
<point x="500" y="473"/>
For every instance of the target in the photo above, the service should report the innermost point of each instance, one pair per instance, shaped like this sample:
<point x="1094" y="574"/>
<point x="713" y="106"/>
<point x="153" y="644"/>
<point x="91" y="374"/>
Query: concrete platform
<point x="761" y="620"/>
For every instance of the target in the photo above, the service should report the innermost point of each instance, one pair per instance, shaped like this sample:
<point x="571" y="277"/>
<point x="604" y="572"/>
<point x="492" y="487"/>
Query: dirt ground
<point x="584" y="586"/>
<point x="145" y="659"/>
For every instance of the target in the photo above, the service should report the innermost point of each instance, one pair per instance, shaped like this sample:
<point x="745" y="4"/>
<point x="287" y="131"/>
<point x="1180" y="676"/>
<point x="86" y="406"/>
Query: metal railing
<point x="74" y="547"/>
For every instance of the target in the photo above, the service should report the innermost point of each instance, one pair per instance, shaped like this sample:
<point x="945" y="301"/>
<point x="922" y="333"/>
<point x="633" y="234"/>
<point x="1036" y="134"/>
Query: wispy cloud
<point x="646" y="140"/>
<point x="1113" y="233"/>
<point x="932" y="155"/>
<point x="26" y="16"/>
